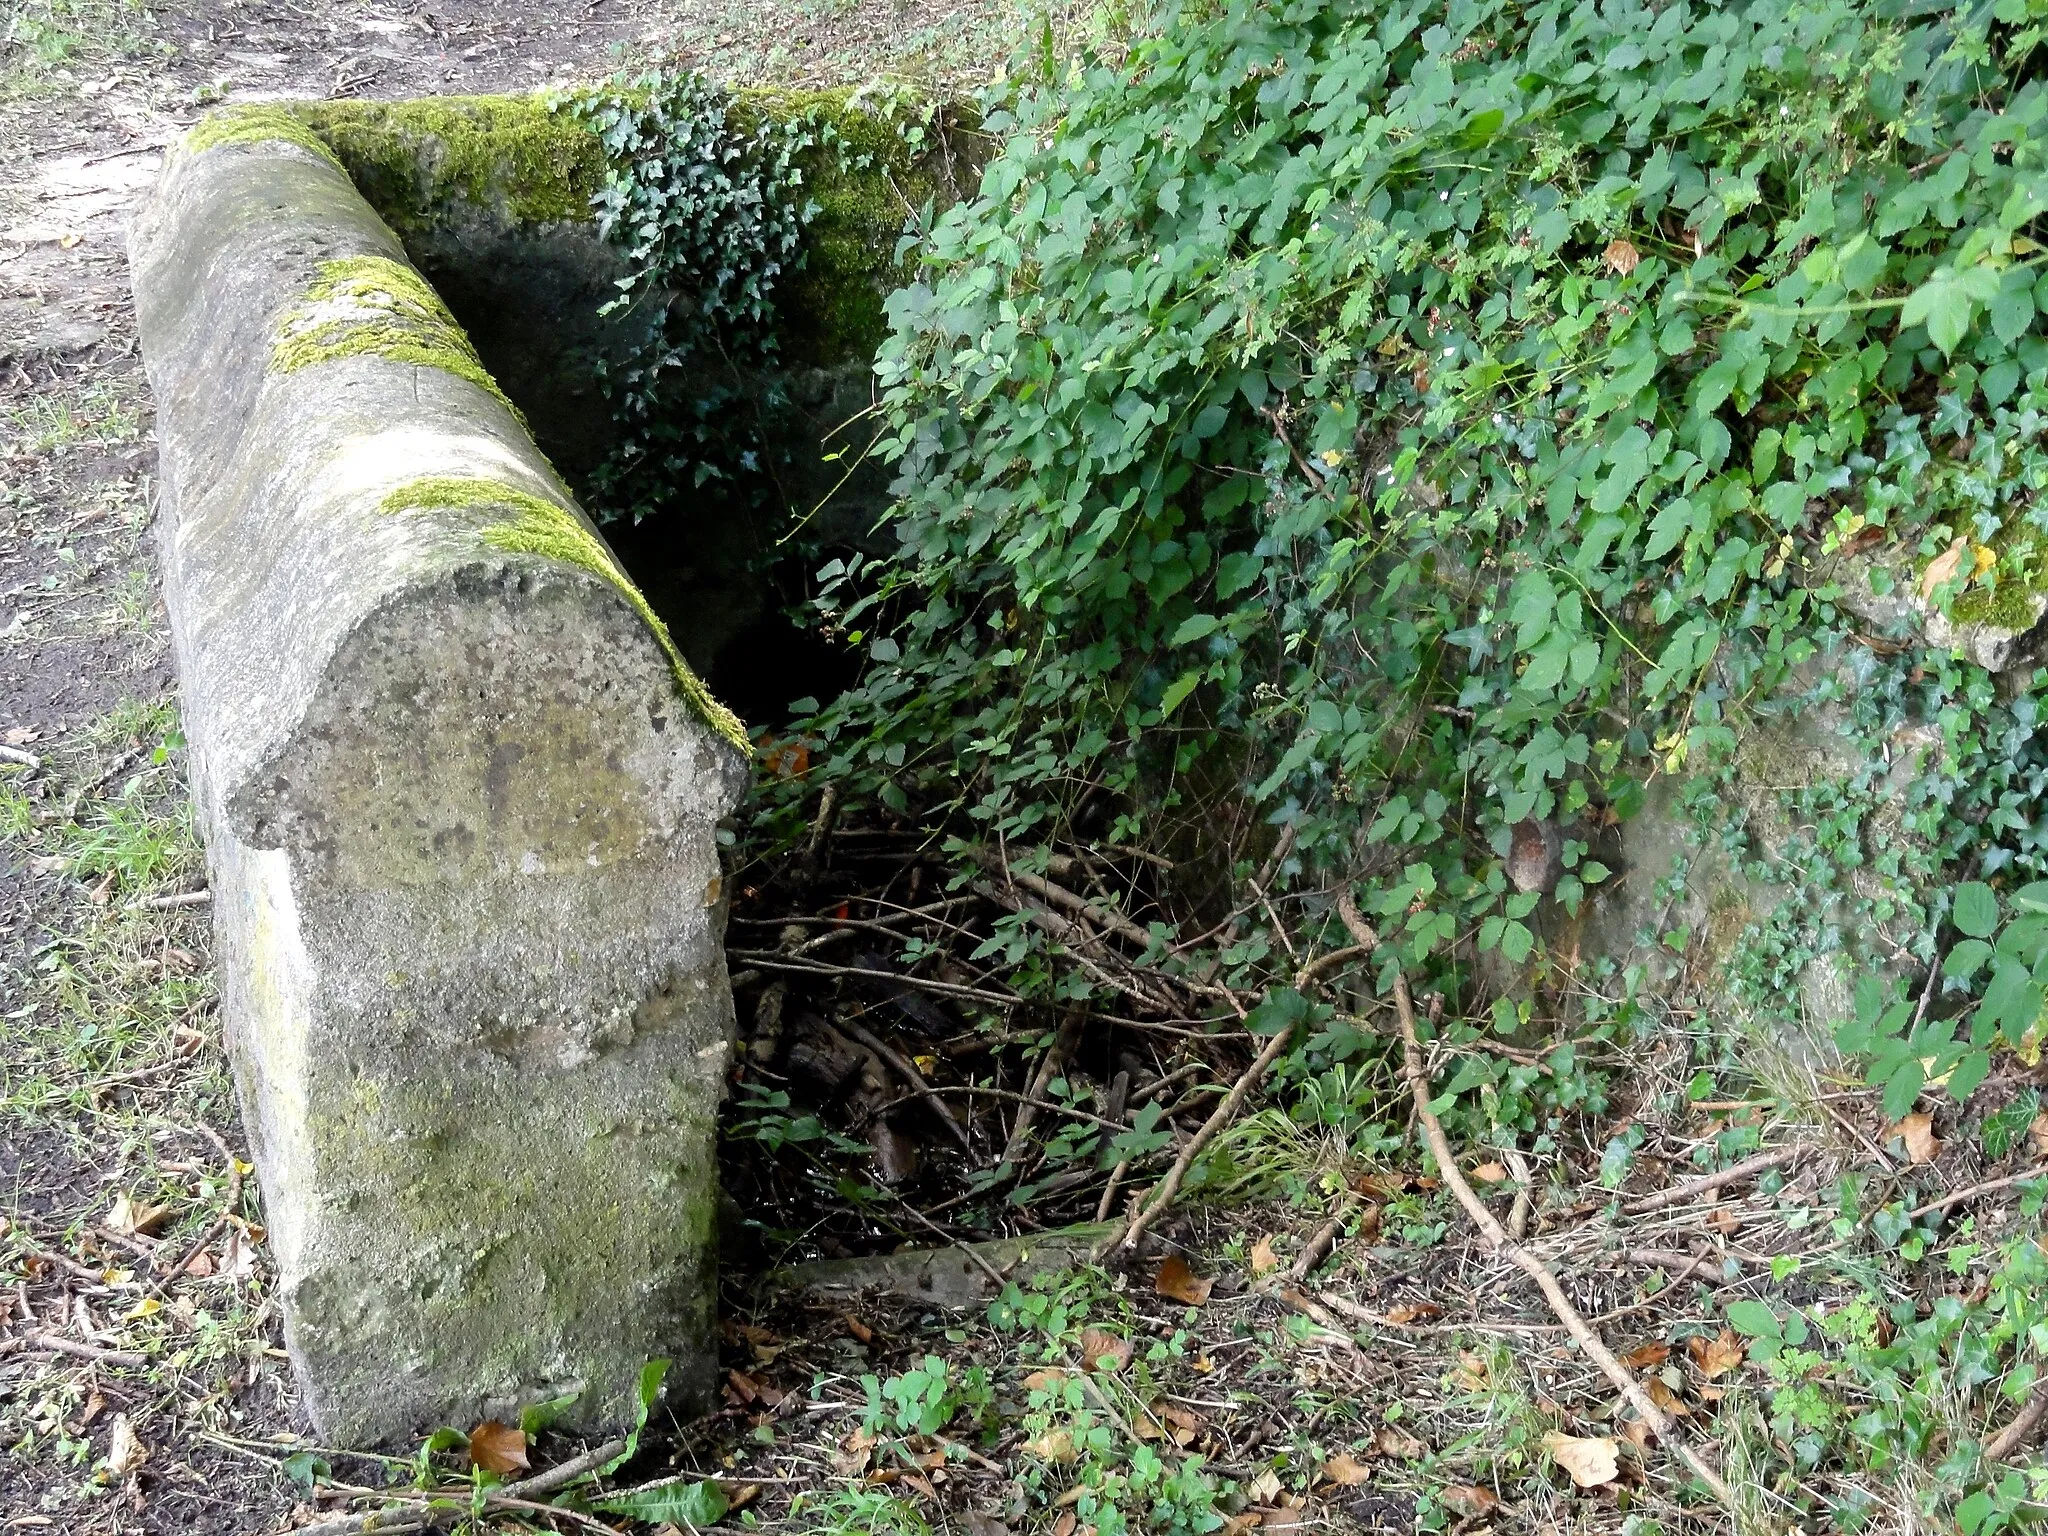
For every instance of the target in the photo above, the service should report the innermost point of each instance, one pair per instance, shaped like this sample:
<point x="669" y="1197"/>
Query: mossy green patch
<point x="372" y="306"/>
<point x="2008" y="594"/>
<point x="415" y="160"/>
<point x="872" y="169"/>
<point x="549" y="530"/>
<point x="256" y="123"/>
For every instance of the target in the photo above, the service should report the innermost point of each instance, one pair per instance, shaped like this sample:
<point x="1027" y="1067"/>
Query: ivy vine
<point x="707" y="204"/>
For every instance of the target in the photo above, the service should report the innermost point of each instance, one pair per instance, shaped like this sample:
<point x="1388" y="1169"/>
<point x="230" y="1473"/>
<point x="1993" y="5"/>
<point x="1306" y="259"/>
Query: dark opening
<point x="728" y="566"/>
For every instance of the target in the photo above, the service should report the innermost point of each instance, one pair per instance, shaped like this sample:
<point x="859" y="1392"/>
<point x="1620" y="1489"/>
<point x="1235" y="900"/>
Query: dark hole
<point x="713" y="564"/>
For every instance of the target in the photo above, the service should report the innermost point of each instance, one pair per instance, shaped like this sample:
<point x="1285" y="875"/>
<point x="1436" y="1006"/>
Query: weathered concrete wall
<point x="459" y="796"/>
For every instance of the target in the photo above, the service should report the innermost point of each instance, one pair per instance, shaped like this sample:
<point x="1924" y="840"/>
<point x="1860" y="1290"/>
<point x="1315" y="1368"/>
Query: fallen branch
<point x="1319" y="1246"/>
<point x="1497" y="1239"/>
<point x="1706" y="1184"/>
<point x="2014" y="1436"/>
<point x="907" y="1070"/>
<point x="1971" y="1193"/>
<point x="519" y="1495"/>
<point x="56" y="1343"/>
<point x="1168" y="1188"/>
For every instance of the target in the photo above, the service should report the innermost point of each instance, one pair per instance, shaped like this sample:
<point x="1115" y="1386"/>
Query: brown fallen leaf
<point x="1666" y="1399"/>
<point x="739" y="1495"/>
<point x="1490" y="1173"/>
<point x="1622" y="257"/>
<point x="742" y="1388"/>
<point x="1099" y="1344"/>
<point x="1064" y="1526"/>
<point x="1264" y="1259"/>
<point x="1056" y="1446"/>
<point x="1717" y="1357"/>
<point x="2037" y="1134"/>
<point x="1344" y="1471"/>
<point x="1414" y="1312"/>
<point x="130" y="1216"/>
<point x="1917" y="1131"/>
<point x="1470" y="1498"/>
<point x="1179" y="1283"/>
<point x="1039" y="1381"/>
<point x="125" y="1450"/>
<point x="1643" y="1356"/>
<point x="1943" y="567"/>
<point x="498" y="1447"/>
<point x="857" y="1328"/>
<point x="1591" y="1461"/>
<point x="1389" y="1440"/>
<point x="1724" y="1221"/>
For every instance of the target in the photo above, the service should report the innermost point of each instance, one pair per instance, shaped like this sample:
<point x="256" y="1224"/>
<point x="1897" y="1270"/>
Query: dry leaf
<point x="1622" y="257"/>
<point x="1590" y="1461"/>
<point x="740" y="1495"/>
<point x="1264" y="1259"/>
<point x="1343" y="1470"/>
<point x="498" y="1447"/>
<point x="1099" y="1344"/>
<point x="125" y="1450"/>
<point x="979" y="1524"/>
<point x="1064" y="1526"/>
<point x="1917" y="1131"/>
<point x="1038" y="1381"/>
<point x="2037" y="1133"/>
<point x="1636" y="1433"/>
<point x="1490" y="1173"/>
<point x="1470" y="1498"/>
<point x="857" y="1328"/>
<point x="1390" y="1441"/>
<point x="149" y="1306"/>
<point x="1055" y="1446"/>
<point x="199" y="1266"/>
<point x="1666" y="1399"/>
<point x="1724" y="1221"/>
<point x="1179" y="1283"/>
<point x="1643" y="1356"/>
<point x="1943" y="567"/>
<point x="1413" y="1311"/>
<point x="1717" y="1357"/>
<point x="130" y="1216"/>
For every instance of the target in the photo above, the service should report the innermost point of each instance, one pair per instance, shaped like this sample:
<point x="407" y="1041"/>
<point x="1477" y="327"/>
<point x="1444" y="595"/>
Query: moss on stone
<point x="549" y="530"/>
<point x="867" y="183"/>
<point x="372" y="306"/>
<point x="257" y="123"/>
<point x="2021" y="576"/>
<point x="417" y="162"/>
<point x="414" y="160"/>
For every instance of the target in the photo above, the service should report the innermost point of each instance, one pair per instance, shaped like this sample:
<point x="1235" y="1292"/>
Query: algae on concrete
<point x="551" y="531"/>
<point x="373" y="306"/>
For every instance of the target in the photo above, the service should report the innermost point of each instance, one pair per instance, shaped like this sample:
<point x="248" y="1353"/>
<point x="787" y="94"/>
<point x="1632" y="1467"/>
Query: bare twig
<point x="229" y="1208"/>
<point x="1706" y="1184"/>
<point x="907" y="1070"/>
<point x="1169" y="1187"/>
<point x="56" y="1343"/>
<point x="1971" y="1193"/>
<point x="773" y="960"/>
<point x="1319" y="1246"/>
<point x="1049" y="1067"/>
<point x="1497" y="1239"/>
<point x="2016" y="1434"/>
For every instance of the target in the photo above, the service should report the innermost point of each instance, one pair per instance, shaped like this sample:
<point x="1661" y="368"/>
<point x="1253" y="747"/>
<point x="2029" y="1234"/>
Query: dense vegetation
<point x="1445" y="419"/>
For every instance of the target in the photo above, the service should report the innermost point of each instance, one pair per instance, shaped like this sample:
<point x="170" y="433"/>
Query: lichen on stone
<point x="373" y="306"/>
<point x="414" y="160"/>
<point x="551" y="531"/>
<point x="257" y="123"/>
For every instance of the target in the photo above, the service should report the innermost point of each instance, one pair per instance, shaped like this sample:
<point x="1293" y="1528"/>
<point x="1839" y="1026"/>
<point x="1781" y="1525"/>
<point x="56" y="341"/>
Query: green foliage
<point x="709" y="211"/>
<point x="1878" y="1387"/>
<point x="1999" y="960"/>
<point x="925" y="1399"/>
<point x="685" y="1503"/>
<point x="1076" y="1418"/>
<point x="1445" y="418"/>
